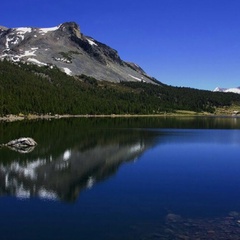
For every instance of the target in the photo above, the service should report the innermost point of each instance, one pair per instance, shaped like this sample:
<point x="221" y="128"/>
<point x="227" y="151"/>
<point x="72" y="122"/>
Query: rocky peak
<point x="70" y="28"/>
<point x="3" y="29"/>
<point x="67" y="48"/>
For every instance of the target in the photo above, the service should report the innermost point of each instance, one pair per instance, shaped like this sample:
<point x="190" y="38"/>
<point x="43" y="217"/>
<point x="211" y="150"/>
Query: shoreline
<point x="12" y="118"/>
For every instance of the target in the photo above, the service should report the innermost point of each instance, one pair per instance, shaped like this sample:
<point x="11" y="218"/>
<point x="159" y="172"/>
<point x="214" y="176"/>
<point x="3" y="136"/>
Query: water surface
<point x="136" y="178"/>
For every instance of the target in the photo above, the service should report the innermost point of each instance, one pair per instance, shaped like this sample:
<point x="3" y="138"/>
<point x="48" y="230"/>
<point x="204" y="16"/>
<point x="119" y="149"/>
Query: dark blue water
<point x="107" y="179"/>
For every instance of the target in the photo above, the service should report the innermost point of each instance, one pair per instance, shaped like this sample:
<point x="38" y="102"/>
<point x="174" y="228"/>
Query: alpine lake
<point x="121" y="178"/>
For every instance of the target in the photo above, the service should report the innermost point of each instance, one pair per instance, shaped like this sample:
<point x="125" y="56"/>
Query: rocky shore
<point x="11" y="117"/>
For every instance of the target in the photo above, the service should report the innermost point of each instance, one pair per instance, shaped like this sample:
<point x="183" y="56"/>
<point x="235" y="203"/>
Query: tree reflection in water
<point x="70" y="156"/>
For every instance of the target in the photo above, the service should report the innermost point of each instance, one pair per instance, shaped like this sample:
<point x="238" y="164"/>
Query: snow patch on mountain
<point x="17" y="58"/>
<point x="67" y="71"/>
<point x="35" y="61"/>
<point x="136" y="78"/>
<point x="8" y="40"/>
<point x="29" y="53"/>
<point x="91" y="42"/>
<point x="46" y="30"/>
<point x="23" y="30"/>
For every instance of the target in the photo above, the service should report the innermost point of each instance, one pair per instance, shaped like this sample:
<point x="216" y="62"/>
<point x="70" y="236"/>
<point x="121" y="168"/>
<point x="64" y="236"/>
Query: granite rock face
<point x="70" y="50"/>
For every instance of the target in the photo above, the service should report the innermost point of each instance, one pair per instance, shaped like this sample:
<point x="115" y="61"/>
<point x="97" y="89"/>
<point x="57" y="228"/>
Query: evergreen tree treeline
<point x="43" y="90"/>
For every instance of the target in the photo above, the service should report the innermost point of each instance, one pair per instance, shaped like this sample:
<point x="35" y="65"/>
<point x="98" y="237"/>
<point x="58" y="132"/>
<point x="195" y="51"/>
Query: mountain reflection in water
<point x="184" y="185"/>
<point x="70" y="157"/>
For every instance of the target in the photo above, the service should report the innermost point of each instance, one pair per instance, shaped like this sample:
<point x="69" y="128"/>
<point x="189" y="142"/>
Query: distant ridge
<point x="232" y="90"/>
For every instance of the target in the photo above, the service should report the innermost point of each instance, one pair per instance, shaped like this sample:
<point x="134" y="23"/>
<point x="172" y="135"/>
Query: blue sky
<point x="190" y="43"/>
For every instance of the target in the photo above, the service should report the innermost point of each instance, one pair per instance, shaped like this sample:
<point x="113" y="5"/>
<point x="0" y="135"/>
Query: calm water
<point x="118" y="178"/>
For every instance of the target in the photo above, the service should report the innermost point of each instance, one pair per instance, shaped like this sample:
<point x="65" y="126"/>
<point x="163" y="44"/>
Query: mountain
<point x="57" y="71"/>
<point x="232" y="90"/>
<point x="70" y="50"/>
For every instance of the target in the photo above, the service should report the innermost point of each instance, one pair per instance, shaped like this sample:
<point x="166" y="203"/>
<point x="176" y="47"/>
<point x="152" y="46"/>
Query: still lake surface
<point x="119" y="178"/>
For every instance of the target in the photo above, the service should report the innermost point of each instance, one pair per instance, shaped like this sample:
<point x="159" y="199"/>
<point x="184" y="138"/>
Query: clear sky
<point x="190" y="43"/>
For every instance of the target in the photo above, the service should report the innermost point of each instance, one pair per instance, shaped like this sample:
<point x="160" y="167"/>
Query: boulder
<point x="22" y="142"/>
<point x="22" y="145"/>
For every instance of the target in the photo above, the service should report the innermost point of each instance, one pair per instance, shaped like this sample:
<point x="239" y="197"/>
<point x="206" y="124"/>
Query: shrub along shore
<point x="179" y="113"/>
